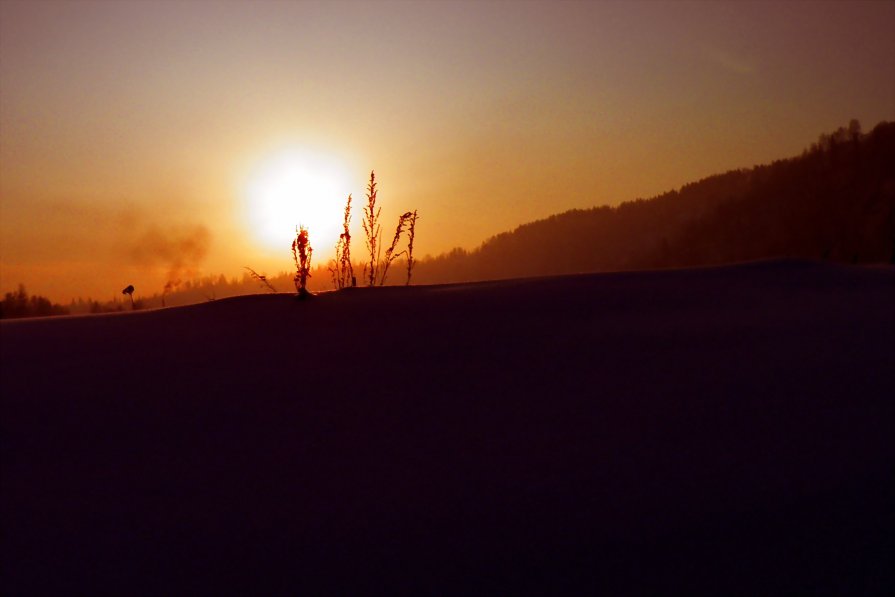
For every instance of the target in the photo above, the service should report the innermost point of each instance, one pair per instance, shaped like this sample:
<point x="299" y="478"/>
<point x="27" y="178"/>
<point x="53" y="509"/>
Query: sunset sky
<point x="138" y="139"/>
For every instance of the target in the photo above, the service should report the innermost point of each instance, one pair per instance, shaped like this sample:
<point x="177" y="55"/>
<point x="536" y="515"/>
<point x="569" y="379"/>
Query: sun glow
<point x="292" y="188"/>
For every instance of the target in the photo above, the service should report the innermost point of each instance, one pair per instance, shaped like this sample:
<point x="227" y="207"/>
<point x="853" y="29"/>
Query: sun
<point x="296" y="187"/>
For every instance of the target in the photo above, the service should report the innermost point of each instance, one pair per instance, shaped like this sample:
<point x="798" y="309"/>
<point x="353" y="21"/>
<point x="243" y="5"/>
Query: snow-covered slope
<point x="719" y="430"/>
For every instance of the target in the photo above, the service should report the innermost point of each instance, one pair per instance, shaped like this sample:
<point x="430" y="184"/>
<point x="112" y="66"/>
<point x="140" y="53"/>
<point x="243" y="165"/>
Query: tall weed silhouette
<point x="390" y="254"/>
<point x="411" y="233"/>
<point x="301" y="254"/>
<point x="373" y="231"/>
<point x="262" y="279"/>
<point x="377" y="268"/>
<point x="342" y="271"/>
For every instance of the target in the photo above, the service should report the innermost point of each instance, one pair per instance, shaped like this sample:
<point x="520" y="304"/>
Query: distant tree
<point x="18" y="304"/>
<point x="130" y="292"/>
<point x="15" y="304"/>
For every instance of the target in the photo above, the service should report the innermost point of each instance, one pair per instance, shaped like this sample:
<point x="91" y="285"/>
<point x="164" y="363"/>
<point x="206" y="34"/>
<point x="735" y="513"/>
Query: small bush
<point x="18" y="304"/>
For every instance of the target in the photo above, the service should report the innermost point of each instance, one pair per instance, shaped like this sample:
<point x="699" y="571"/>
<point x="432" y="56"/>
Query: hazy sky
<point x="132" y="134"/>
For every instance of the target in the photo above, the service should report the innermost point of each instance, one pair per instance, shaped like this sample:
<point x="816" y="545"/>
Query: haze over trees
<point x="19" y="304"/>
<point x="836" y="202"/>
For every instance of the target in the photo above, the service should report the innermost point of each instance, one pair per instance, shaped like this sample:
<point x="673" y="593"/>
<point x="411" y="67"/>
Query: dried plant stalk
<point x="334" y="269"/>
<point x="301" y="254"/>
<point x="261" y="279"/>
<point x="346" y="269"/>
<point x="390" y="254"/>
<point x="341" y="270"/>
<point x="372" y="230"/>
<point x="411" y="232"/>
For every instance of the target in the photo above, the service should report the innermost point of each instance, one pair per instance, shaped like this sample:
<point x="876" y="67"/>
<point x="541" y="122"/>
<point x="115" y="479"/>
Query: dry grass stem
<point x="390" y="254"/>
<point x="341" y="270"/>
<point x="372" y="230"/>
<point x="411" y="233"/>
<point x="262" y="279"/>
<point x="301" y="254"/>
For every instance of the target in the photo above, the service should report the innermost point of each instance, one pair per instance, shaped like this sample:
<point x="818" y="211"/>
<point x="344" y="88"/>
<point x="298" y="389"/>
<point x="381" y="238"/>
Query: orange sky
<point x="131" y="131"/>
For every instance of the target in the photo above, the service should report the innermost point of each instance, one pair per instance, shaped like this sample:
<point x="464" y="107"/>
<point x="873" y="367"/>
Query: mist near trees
<point x="835" y="202"/>
<point x="19" y="304"/>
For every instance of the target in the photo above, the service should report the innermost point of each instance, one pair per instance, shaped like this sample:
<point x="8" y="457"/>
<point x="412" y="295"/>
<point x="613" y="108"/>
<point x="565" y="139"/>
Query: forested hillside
<point x="836" y="201"/>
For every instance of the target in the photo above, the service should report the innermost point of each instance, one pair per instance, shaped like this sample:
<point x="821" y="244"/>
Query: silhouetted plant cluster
<point x="377" y="269"/>
<point x="341" y="269"/>
<point x="18" y="304"/>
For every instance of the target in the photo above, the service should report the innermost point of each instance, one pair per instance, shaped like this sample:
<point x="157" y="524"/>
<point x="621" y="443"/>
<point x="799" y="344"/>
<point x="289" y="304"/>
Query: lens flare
<point x="292" y="188"/>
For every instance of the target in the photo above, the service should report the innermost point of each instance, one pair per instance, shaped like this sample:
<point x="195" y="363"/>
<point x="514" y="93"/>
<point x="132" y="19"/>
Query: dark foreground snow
<point x="711" y="431"/>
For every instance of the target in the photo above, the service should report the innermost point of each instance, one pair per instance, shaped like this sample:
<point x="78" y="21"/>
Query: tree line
<point x="19" y="304"/>
<point x="835" y="201"/>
